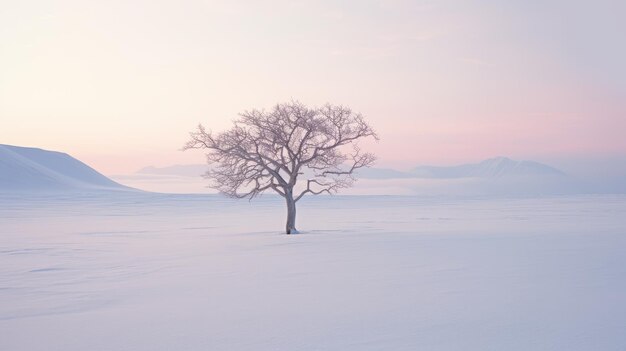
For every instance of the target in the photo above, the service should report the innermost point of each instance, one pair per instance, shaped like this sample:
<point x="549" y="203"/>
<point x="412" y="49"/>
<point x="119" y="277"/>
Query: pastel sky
<point x="119" y="84"/>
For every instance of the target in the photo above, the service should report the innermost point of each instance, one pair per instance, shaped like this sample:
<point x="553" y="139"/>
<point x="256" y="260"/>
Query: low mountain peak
<point x="493" y="167"/>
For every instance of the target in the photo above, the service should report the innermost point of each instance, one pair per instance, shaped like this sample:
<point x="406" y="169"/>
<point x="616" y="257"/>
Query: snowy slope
<point x="32" y="169"/>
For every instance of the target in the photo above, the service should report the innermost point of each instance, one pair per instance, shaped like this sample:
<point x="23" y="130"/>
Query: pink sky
<point x="120" y="84"/>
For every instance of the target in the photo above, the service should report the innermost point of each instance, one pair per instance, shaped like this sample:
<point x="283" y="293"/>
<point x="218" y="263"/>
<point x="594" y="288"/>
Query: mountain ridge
<point x="489" y="168"/>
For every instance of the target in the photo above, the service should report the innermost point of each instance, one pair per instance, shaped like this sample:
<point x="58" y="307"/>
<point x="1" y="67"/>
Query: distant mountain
<point x="382" y="173"/>
<point x="32" y="169"/>
<point x="491" y="168"/>
<point x="177" y="170"/>
<point x="498" y="167"/>
<point x="498" y="176"/>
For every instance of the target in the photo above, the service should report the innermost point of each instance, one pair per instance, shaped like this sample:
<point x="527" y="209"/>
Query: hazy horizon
<point x="119" y="85"/>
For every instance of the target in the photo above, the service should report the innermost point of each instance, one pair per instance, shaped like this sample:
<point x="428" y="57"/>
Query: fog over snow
<point x="498" y="176"/>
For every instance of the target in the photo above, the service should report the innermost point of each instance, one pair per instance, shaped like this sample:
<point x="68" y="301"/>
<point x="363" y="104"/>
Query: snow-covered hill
<point x="32" y="169"/>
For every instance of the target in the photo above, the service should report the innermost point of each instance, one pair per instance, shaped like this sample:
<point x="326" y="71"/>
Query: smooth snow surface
<point x="200" y="272"/>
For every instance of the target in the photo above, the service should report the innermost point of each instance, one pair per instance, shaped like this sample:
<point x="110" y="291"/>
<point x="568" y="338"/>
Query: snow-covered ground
<point x="201" y="272"/>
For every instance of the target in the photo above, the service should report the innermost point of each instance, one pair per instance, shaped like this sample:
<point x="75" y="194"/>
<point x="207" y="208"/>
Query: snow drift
<point x="32" y="169"/>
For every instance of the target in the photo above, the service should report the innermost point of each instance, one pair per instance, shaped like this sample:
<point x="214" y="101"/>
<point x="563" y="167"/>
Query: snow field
<point x="200" y="272"/>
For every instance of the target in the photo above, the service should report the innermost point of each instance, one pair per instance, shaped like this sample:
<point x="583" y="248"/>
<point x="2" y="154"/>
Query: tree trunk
<point x="291" y="214"/>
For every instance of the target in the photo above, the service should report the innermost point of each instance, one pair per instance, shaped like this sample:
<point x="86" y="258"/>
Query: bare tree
<point x="271" y="150"/>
